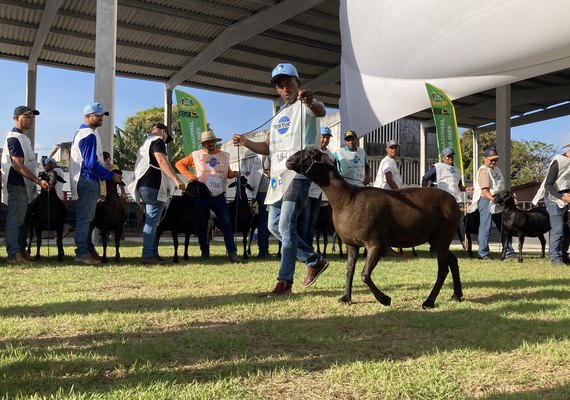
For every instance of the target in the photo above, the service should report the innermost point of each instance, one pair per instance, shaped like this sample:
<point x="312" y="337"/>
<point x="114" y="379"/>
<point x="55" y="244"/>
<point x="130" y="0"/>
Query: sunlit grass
<point x="206" y="331"/>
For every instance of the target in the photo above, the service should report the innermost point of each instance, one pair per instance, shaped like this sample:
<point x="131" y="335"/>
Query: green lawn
<point x="207" y="331"/>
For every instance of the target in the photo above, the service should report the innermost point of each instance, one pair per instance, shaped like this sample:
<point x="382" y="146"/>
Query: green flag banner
<point x="445" y="124"/>
<point x="192" y="120"/>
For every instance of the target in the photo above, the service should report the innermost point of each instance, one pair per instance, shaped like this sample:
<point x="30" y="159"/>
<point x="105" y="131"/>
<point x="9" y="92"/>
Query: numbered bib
<point x="214" y="183"/>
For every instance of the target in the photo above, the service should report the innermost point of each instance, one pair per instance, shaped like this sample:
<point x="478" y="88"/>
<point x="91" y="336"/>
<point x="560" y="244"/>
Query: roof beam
<point x="324" y="79"/>
<point x="550" y="113"/>
<point x="239" y="32"/>
<point x="46" y="22"/>
<point x="547" y="94"/>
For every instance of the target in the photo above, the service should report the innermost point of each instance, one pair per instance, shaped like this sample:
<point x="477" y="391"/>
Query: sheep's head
<point x="503" y="197"/>
<point x="314" y="164"/>
<point x="51" y="177"/>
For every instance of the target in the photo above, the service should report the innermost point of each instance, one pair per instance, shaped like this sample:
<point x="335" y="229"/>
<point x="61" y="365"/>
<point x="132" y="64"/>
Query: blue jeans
<point x="153" y="211"/>
<point x="283" y="219"/>
<point x="16" y="227"/>
<point x="88" y="192"/>
<point x="559" y="236"/>
<point x="308" y="220"/>
<point x="485" y="218"/>
<point x="219" y="206"/>
<point x="262" y="229"/>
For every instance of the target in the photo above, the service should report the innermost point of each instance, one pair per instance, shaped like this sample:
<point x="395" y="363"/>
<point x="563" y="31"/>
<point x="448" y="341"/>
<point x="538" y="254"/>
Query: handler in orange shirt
<point x="212" y="168"/>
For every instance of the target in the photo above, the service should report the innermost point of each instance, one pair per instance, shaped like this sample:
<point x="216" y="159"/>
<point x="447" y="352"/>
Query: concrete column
<point x="105" y="55"/>
<point x="423" y="143"/>
<point x="503" y="95"/>
<point x="31" y="91"/>
<point x="168" y="113"/>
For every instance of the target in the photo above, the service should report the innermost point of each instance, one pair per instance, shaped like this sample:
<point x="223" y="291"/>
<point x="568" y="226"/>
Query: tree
<point x="128" y="140"/>
<point x="529" y="159"/>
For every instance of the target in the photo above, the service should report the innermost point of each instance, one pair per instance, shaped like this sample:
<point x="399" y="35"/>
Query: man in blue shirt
<point x="86" y="169"/>
<point x="19" y="182"/>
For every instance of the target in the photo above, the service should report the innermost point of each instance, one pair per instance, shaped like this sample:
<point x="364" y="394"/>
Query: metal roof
<point x="229" y="46"/>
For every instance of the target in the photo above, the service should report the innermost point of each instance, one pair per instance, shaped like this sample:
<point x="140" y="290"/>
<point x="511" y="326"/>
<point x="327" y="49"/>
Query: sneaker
<point x="314" y="272"/>
<point x="485" y="258"/>
<point x="283" y="288"/>
<point x="95" y="255"/>
<point x="87" y="260"/>
<point x="152" y="260"/>
<point x="234" y="258"/>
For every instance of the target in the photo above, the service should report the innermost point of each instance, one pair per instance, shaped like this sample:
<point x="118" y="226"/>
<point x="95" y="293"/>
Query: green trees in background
<point x="529" y="158"/>
<point x="128" y="140"/>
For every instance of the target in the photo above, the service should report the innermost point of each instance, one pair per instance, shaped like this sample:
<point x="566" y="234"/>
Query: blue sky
<point x="62" y="94"/>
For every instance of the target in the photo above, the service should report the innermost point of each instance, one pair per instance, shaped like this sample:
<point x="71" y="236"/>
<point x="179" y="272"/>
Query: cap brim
<point x="492" y="157"/>
<point x="102" y="113"/>
<point x="214" y="139"/>
<point x="168" y="139"/>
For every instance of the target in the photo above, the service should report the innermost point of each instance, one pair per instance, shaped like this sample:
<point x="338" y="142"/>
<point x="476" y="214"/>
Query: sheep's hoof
<point x="118" y="260"/>
<point x="345" y="299"/>
<point x="385" y="300"/>
<point x="520" y="260"/>
<point x="455" y="297"/>
<point x="175" y="260"/>
<point x="186" y="258"/>
<point x="428" y="305"/>
<point x="104" y="260"/>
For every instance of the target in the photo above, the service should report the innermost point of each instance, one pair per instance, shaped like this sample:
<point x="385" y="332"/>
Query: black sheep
<point x="377" y="218"/>
<point x="240" y="210"/>
<point x="47" y="212"/>
<point x="110" y="215"/>
<point x="180" y="216"/>
<point x="521" y="223"/>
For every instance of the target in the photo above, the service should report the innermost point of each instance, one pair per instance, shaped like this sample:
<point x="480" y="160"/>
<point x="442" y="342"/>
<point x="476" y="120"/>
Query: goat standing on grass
<point x="240" y="210"/>
<point x="377" y="218"/>
<point x="48" y="212"/>
<point x="521" y="223"/>
<point x="110" y="215"/>
<point x="180" y="216"/>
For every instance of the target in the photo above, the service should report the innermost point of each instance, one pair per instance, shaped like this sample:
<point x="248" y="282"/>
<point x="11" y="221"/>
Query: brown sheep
<point x="375" y="218"/>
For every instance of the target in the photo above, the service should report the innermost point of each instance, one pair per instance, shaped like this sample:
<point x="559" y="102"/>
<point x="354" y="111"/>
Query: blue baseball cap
<point x="326" y="131"/>
<point x="49" y="160"/>
<point x="95" y="108"/>
<point x="447" y="151"/>
<point x="283" y="70"/>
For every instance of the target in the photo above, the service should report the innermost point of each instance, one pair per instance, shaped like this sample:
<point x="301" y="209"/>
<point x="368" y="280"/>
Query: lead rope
<point x="48" y="209"/>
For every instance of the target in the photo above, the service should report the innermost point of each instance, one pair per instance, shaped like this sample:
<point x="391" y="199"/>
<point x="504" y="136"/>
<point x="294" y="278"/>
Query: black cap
<point x="160" y="125"/>
<point x="21" y="110"/>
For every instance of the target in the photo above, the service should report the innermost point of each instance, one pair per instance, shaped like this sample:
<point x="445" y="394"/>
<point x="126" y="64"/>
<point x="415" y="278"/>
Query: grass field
<point x="207" y="331"/>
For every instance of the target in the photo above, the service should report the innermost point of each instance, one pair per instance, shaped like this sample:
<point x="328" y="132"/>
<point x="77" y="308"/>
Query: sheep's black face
<point x="302" y="160"/>
<point x="502" y="197"/>
<point x="51" y="177"/>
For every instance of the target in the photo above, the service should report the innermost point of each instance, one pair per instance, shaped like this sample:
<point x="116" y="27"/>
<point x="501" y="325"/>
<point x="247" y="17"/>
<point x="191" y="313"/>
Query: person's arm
<point x="485" y="184"/>
<point x="430" y="176"/>
<point x="390" y="180"/>
<point x="316" y="108"/>
<point x="550" y="181"/>
<point x="19" y="167"/>
<point x="167" y="169"/>
<point x="256" y="147"/>
<point x="367" y="174"/>
<point x="183" y="164"/>
<point x="88" y="148"/>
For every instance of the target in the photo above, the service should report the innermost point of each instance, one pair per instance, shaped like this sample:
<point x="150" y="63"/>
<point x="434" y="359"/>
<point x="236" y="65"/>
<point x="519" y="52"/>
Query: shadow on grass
<point x="208" y="351"/>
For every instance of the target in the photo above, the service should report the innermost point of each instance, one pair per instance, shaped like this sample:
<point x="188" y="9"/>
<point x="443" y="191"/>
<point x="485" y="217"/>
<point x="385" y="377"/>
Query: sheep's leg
<point x="350" y="266"/>
<point x="459" y="237"/>
<point x="453" y="265"/>
<point x="175" y="242"/>
<point x="104" y="242"/>
<point x="38" y="242"/>
<point x="372" y="257"/>
<point x="325" y="242"/>
<point x="506" y="239"/>
<point x="244" y="244"/>
<point x="186" y="243"/>
<point x="521" y="242"/>
<point x="542" y="243"/>
<point x="251" y="232"/>
<point x="59" y="241"/>
<point x="31" y="236"/>
<point x="118" y="234"/>
<point x="318" y="239"/>
<point x="442" y="271"/>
